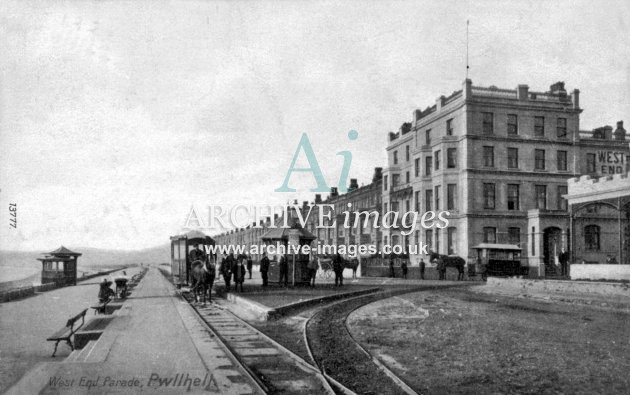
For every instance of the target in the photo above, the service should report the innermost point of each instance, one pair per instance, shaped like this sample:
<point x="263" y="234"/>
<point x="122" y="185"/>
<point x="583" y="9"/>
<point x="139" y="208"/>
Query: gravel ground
<point x="457" y="341"/>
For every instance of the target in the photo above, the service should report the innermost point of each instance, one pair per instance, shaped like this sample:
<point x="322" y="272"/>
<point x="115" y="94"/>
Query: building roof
<point x="61" y="251"/>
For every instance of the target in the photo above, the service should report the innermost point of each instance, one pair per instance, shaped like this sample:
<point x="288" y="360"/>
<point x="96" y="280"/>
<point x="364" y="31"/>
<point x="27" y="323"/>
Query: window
<point x="488" y="196"/>
<point x="395" y="180"/>
<point x="427" y="165"/>
<point x="428" y="137"/>
<point x="385" y="207"/>
<point x="407" y="179"/>
<point x="395" y="157"/>
<point x="488" y="156"/>
<point x="428" y="199"/>
<point x="437" y="197"/>
<point x="539" y="126"/>
<point x="514" y="236"/>
<point x="512" y="158"/>
<point x="591" y="237"/>
<point x="451" y="240"/>
<point x="395" y="206"/>
<point x="562" y="160"/>
<point x="590" y="163"/>
<point x="451" y="158"/>
<point x="488" y="122"/>
<point x="417" y="167"/>
<point x="561" y="127"/>
<point x="541" y="197"/>
<point x="512" y="123"/>
<point x="449" y="127"/>
<point x="562" y="202"/>
<point x="513" y="196"/>
<point x="438" y="154"/>
<point x="428" y="239"/>
<point x="437" y="240"/>
<point x="407" y="205"/>
<point x="451" y="197"/>
<point x="407" y="153"/>
<point x="489" y="234"/>
<point x="539" y="159"/>
<point x="418" y="208"/>
<point x="385" y="183"/>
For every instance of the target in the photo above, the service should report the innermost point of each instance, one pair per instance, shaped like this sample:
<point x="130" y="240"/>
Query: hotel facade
<point x="498" y="161"/>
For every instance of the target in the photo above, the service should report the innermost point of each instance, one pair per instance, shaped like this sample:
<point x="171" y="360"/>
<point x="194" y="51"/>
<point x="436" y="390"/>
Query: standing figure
<point x="238" y="270"/>
<point x="392" y="274"/>
<point x="249" y="266"/>
<point x="403" y="267"/>
<point x="564" y="262"/>
<point x="105" y="292"/>
<point x="313" y="265"/>
<point x="338" y="269"/>
<point x="284" y="271"/>
<point x="423" y="266"/>
<point x="226" y="270"/>
<point x="264" y="269"/>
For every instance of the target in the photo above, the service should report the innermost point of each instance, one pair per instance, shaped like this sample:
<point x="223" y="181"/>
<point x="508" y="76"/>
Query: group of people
<point x="236" y="269"/>
<point x="438" y="262"/>
<point x="106" y="293"/>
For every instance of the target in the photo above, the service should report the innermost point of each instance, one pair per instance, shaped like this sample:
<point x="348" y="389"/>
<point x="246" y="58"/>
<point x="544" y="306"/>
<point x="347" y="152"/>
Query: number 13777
<point x="13" y="215"/>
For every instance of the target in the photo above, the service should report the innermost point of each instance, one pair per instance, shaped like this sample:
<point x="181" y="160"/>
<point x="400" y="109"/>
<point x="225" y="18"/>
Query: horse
<point x="351" y="264"/>
<point x="203" y="279"/>
<point x="450" y="261"/>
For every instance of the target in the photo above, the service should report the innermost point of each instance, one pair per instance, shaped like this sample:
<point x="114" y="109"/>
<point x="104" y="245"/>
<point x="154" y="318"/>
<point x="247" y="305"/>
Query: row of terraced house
<point x="498" y="160"/>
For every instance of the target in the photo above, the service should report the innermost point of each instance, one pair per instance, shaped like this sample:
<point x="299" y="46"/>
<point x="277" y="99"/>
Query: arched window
<point x="591" y="237"/>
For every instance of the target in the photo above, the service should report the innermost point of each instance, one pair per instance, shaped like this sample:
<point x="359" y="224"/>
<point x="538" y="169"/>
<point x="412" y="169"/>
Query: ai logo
<point x="305" y="145"/>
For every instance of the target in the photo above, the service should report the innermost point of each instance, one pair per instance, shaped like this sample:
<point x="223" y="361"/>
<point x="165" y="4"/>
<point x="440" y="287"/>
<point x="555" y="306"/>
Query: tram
<point x="181" y="245"/>
<point x="500" y="259"/>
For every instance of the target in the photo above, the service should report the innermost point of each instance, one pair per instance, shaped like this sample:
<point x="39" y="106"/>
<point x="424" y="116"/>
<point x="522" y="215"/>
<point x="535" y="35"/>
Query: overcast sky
<point x="116" y="116"/>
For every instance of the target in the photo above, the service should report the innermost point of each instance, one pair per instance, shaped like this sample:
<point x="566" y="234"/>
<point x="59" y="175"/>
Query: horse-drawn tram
<point x="181" y="247"/>
<point x="500" y="259"/>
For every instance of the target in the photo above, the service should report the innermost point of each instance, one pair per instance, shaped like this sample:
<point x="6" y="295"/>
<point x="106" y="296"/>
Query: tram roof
<point x="192" y="234"/>
<point x="494" y="246"/>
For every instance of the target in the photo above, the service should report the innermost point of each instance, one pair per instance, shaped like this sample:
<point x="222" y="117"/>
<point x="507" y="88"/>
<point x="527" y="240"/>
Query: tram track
<point x="338" y="364"/>
<point x="276" y="369"/>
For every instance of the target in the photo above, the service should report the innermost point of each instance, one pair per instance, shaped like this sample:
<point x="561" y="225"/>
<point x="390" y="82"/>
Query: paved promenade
<point x="155" y="343"/>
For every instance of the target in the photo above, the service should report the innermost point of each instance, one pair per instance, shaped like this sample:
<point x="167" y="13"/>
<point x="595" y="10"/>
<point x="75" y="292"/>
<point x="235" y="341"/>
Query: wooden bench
<point x="68" y="331"/>
<point x="101" y="308"/>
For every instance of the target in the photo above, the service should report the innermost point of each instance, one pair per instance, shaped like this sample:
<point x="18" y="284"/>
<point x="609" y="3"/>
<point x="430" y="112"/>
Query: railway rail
<point x="275" y="368"/>
<point x="339" y="364"/>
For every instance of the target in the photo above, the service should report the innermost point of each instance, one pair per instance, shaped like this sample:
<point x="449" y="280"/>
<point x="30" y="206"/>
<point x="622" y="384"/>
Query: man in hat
<point x="197" y="255"/>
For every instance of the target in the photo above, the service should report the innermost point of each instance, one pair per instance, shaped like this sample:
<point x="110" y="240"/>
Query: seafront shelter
<point x="60" y="266"/>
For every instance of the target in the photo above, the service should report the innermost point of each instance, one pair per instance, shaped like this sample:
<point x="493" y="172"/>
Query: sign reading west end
<point x="612" y="162"/>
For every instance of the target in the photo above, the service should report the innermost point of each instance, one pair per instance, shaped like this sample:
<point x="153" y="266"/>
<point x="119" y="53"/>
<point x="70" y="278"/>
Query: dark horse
<point x="450" y="261"/>
<point x="203" y="278"/>
<point x="348" y="263"/>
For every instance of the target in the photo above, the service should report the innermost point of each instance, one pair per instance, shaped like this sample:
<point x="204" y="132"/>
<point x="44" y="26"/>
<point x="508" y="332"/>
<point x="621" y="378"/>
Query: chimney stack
<point x="353" y="185"/>
<point x="575" y="98"/>
<point x="318" y="198"/>
<point x="378" y="174"/>
<point x="333" y="192"/>
<point x="620" y="132"/>
<point x="522" y="92"/>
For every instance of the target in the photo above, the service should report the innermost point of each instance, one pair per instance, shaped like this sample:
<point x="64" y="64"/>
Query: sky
<point x="117" y="117"/>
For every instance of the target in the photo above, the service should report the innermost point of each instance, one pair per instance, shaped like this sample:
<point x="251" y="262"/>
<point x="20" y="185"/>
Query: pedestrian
<point x="564" y="263"/>
<point x="226" y="270"/>
<point x="264" y="269"/>
<point x="313" y="265"/>
<point x="442" y="268"/>
<point x="250" y="263"/>
<point x="391" y="267"/>
<point x="338" y="269"/>
<point x="284" y="271"/>
<point x="105" y="292"/>
<point x="423" y="266"/>
<point x="403" y="267"/>
<point x="238" y="271"/>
